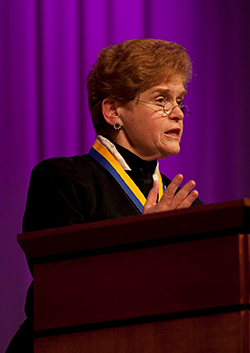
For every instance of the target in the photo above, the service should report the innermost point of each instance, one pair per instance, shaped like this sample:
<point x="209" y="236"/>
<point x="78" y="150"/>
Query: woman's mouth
<point x="173" y="133"/>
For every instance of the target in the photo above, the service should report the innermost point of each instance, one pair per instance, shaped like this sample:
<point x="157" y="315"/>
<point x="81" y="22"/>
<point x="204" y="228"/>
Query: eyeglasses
<point x="168" y="107"/>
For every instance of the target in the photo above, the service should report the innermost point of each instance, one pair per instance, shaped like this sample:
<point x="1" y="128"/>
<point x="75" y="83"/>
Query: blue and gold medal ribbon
<point x="102" y="155"/>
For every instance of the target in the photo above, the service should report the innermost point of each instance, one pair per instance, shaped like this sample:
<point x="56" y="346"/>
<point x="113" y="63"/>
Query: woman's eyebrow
<point x="166" y="90"/>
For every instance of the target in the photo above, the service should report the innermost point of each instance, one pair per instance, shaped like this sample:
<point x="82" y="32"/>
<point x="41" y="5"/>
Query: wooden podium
<point x="171" y="282"/>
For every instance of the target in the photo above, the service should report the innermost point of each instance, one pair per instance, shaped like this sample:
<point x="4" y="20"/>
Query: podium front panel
<point x="167" y="279"/>
<point x="219" y="333"/>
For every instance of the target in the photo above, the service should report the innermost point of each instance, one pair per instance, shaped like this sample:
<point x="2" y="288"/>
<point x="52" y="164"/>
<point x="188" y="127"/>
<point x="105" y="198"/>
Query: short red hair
<point x="123" y="71"/>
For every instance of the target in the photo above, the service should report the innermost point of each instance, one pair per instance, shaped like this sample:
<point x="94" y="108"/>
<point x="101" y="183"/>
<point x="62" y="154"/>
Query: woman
<point x="136" y="91"/>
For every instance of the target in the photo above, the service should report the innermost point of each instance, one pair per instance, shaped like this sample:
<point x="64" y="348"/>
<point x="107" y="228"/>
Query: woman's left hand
<point x="170" y="199"/>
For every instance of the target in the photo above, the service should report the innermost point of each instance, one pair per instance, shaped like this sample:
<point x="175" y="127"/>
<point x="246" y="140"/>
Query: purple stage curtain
<point x="46" y="49"/>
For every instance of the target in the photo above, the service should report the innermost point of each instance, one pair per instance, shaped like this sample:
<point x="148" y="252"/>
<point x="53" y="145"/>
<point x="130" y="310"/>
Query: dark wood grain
<point x="220" y="333"/>
<point x="142" y="282"/>
<point x="168" y="282"/>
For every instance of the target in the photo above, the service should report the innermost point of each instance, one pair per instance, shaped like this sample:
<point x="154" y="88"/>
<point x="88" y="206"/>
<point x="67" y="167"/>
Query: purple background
<point x="46" y="48"/>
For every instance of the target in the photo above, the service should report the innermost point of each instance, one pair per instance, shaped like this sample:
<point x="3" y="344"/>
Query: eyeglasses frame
<point x="163" y="107"/>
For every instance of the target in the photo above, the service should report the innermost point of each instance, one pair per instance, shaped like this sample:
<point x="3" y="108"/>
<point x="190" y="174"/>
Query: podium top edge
<point x="225" y="216"/>
<point x="235" y="204"/>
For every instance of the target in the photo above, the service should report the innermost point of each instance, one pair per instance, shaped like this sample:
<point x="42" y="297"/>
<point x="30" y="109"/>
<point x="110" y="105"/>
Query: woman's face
<point x="146" y="130"/>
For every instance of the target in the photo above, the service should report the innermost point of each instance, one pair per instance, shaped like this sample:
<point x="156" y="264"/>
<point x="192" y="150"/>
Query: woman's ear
<point x="109" y="111"/>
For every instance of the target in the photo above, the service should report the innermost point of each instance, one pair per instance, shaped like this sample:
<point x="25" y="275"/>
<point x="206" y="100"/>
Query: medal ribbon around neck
<point x="102" y="155"/>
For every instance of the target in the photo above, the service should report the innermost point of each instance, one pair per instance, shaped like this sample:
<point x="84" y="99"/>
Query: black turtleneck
<point x="141" y="171"/>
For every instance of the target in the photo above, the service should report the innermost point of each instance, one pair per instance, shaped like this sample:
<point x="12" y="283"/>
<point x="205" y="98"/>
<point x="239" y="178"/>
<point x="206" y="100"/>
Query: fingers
<point x="183" y="198"/>
<point x="171" y="199"/>
<point x="187" y="202"/>
<point x="171" y="189"/>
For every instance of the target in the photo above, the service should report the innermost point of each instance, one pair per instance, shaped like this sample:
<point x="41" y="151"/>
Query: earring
<point x="117" y="125"/>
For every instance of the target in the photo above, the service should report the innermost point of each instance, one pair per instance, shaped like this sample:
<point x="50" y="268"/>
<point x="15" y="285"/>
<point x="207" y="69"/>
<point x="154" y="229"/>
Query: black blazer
<point x="66" y="191"/>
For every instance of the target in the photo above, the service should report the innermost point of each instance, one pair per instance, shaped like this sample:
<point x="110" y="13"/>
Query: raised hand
<point x="171" y="201"/>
